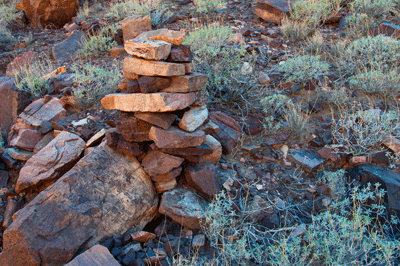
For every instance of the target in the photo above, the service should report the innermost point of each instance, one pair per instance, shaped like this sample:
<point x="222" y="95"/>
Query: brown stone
<point x="112" y="137"/>
<point x="152" y="84"/>
<point x="209" y="128"/>
<point x="215" y="156"/>
<point x="202" y="177"/>
<point x="193" y="118"/>
<point x="70" y="48"/>
<point x="129" y="86"/>
<point x="181" y="54"/>
<point x="96" y="138"/>
<point x="148" y="102"/>
<point x="328" y="154"/>
<point x="170" y="36"/>
<point x="273" y="10"/>
<point x="176" y="138"/>
<point x="387" y="29"/>
<point x="95" y="256"/>
<point x="104" y="194"/>
<point x="20" y="61"/>
<point x="187" y="83"/>
<point x="203" y="149"/>
<point x="229" y="131"/>
<point x="142" y="236"/>
<point x="26" y="139"/>
<point x="129" y="74"/>
<point x="169" y="176"/>
<point x="201" y="98"/>
<point x="189" y="68"/>
<point x="157" y="163"/>
<point x="184" y="207"/>
<point x="133" y="129"/>
<point x="161" y="187"/>
<point x="148" y="49"/>
<point x="392" y="143"/>
<point x="357" y="160"/>
<point x="11" y="208"/>
<point x="117" y="51"/>
<point x="127" y="148"/>
<point x="51" y="162"/>
<point x="132" y="26"/>
<point x="48" y="13"/>
<point x="163" y="120"/>
<point x="152" y="68"/>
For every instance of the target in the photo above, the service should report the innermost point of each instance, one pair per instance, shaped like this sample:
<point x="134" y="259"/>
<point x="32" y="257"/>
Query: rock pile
<point x="164" y="122"/>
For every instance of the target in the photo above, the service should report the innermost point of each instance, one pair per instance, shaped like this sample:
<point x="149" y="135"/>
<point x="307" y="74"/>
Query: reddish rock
<point x="357" y="160"/>
<point x="176" y="138"/>
<point x="209" y="128"/>
<point x="170" y="36"/>
<point x="142" y="236"/>
<point x="202" y="177"/>
<point x="392" y="143"/>
<point x="161" y="187"/>
<point x="215" y="156"/>
<point x="273" y="10"/>
<point x="328" y="154"/>
<point x="26" y="139"/>
<point x="253" y="125"/>
<point x="130" y="86"/>
<point x="152" y="68"/>
<point x="167" y="177"/>
<point x="112" y="137"/>
<point x="184" y="207"/>
<point x="11" y="208"/>
<point x="95" y="256"/>
<point x="387" y="29"/>
<point x="203" y="149"/>
<point x="51" y="162"/>
<point x="193" y="118"/>
<point x="201" y="98"/>
<point x="96" y="138"/>
<point x="133" y="129"/>
<point x="117" y="51"/>
<point x="229" y="131"/>
<point x="152" y="84"/>
<point x="163" y="120"/>
<point x="132" y="26"/>
<point x="129" y="148"/>
<point x="50" y="13"/>
<point x="81" y="208"/>
<point x="157" y="163"/>
<point x="148" y="49"/>
<point x="181" y="54"/>
<point x="22" y="60"/>
<point x="187" y="83"/>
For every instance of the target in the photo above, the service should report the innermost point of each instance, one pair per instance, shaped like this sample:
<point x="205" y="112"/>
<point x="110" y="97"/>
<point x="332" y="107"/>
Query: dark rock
<point x="203" y="178"/>
<point x="69" y="48"/>
<point x="23" y="59"/>
<point x="129" y="258"/>
<point x="229" y="133"/>
<point x="3" y="178"/>
<point x="163" y="120"/>
<point x="203" y="149"/>
<point x="181" y="54"/>
<point x="152" y="84"/>
<point x="253" y="126"/>
<point x="156" y="163"/>
<point x="309" y="160"/>
<point x="127" y="148"/>
<point x="387" y="29"/>
<point x="133" y="129"/>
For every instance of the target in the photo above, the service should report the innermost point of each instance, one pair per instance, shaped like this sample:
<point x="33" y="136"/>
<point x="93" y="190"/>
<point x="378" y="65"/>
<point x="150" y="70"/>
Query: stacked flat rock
<point x="163" y="114"/>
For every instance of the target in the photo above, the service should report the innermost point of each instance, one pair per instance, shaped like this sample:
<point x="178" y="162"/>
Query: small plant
<point x="373" y="8"/>
<point x="159" y="17"/>
<point x="314" y="11"/>
<point x="315" y="44"/>
<point x="207" y="6"/>
<point x="100" y="43"/>
<point x="32" y="78"/>
<point x="303" y="69"/>
<point x="358" y="25"/>
<point x="296" y="31"/>
<point x="93" y="83"/>
<point x="125" y="8"/>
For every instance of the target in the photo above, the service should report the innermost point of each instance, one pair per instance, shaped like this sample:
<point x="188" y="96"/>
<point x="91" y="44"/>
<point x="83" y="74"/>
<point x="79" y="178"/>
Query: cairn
<point x="163" y="115"/>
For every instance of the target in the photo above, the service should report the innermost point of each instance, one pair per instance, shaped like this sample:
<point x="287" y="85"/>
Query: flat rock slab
<point x="184" y="207"/>
<point x="273" y="10"/>
<point x="20" y="61"/>
<point x="104" y="194"/>
<point x="19" y="155"/>
<point x="203" y="178"/>
<point x="132" y="26"/>
<point x="203" y="149"/>
<point x="388" y="29"/>
<point x="26" y="139"/>
<point x="167" y="177"/>
<point x="70" y="48"/>
<point x="148" y="102"/>
<point x="51" y="162"/>
<point x="157" y="163"/>
<point x="170" y="36"/>
<point x="152" y="68"/>
<point x="163" y="120"/>
<point x="133" y="129"/>
<point x="309" y="160"/>
<point x="152" y="84"/>
<point x="148" y="49"/>
<point x="389" y="180"/>
<point x="215" y="156"/>
<point x="181" y="54"/>
<point x="176" y="138"/>
<point x="229" y="132"/>
<point x="193" y="118"/>
<point x="95" y="256"/>
<point x="187" y="83"/>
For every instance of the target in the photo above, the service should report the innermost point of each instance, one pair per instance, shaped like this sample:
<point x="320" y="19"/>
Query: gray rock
<point x="69" y="48"/>
<point x="309" y="160"/>
<point x="96" y="256"/>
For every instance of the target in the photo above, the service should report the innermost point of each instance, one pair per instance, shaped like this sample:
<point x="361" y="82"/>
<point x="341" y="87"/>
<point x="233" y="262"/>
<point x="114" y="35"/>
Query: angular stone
<point x="309" y="160"/>
<point x="117" y="51"/>
<point x="202" y="177"/>
<point x="181" y="54"/>
<point x="389" y="180"/>
<point x="96" y="138"/>
<point x="176" y="138"/>
<point x="133" y="129"/>
<point x="193" y="118"/>
<point x="142" y="236"/>
<point x="201" y="98"/>
<point x="161" y="187"/>
<point x="392" y="143"/>
<point x="129" y="86"/>
<point x="104" y="194"/>
<point x="127" y="148"/>
<point x="170" y="36"/>
<point x="95" y="256"/>
<point x="203" y="149"/>
<point x="328" y="154"/>
<point x="273" y="11"/>
<point x="148" y="49"/>
<point x="50" y="163"/>
<point x="215" y="156"/>
<point x="12" y="102"/>
<point x="187" y="83"/>
<point x="152" y="68"/>
<point x="152" y="84"/>
<point x="209" y="128"/>
<point x="184" y="207"/>
<point x="169" y="176"/>
<point x="156" y="163"/>
<point x="132" y="26"/>
<point x="112" y="137"/>
<point x="19" y="155"/>
<point x="148" y="102"/>
<point x="198" y="241"/>
<point x="11" y="208"/>
<point x="129" y="74"/>
<point x="26" y="139"/>
<point x="48" y="13"/>
<point x="229" y="133"/>
<point x="163" y="120"/>
<point x="189" y="68"/>
<point x="387" y="29"/>
<point x="70" y="47"/>
<point x="3" y="178"/>
<point x="20" y="61"/>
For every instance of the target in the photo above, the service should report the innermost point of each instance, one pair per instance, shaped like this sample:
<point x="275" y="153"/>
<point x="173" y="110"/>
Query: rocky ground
<point x="117" y="183"/>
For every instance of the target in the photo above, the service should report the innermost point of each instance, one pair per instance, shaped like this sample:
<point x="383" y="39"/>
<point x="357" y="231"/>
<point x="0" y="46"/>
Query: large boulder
<point x="54" y="13"/>
<point x="104" y="194"/>
<point x="96" y="256"/>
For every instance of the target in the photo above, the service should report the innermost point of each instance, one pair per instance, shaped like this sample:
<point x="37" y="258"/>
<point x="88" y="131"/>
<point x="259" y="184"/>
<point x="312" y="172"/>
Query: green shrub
<point x="358" y="25"/>
<point x="314" y="11"/>
<point x="296" y="31"/>
<point x="124" y="8"/>
<point x="207" y="6"/>
<point x="93" y="83"/>
<point x="373" y="8"/>
<point x="100" y="43"/>
<point x="303" y="69"/>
